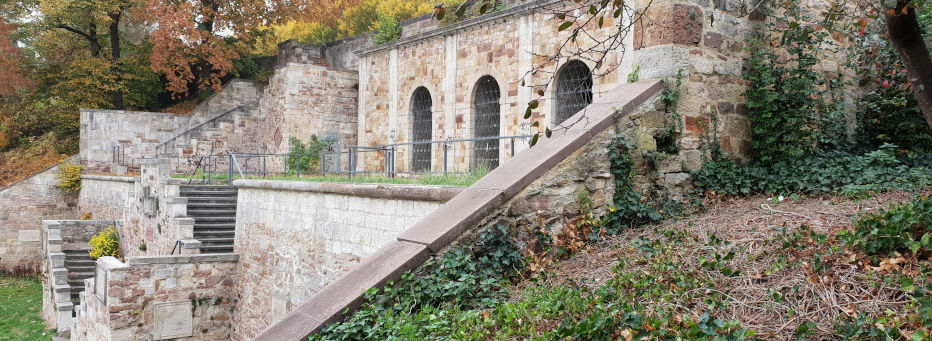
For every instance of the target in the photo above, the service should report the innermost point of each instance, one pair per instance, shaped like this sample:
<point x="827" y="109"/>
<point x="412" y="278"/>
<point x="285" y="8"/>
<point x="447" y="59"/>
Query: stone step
<point x="207" y="188"/>
<point x="216" y="248"/>
<point x="201" y="235"/>
<point x="211" y="200"/>
<point x="211" y="205"/>
<point x="214" y="219"/>
<point x="199" y="212"/>
<point x="210" y="193"/>
<point x="70" y="252"/>
<point x="80" y="268"/>
<point x="213" y="225"/>
<point x="217" y="200"/>
<point x="216" y="241"/>
<point x="69" y="262"/>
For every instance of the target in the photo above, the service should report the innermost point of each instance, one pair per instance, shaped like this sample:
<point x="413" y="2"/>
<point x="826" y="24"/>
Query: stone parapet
<point x="187" y="297"/>
<point x="382" y="191"/>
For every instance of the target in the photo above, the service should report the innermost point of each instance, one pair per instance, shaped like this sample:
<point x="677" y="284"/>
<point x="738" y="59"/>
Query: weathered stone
<point x="669" y="24"/>
<point x="713" y="39"/>
<point x="692" y="160"/>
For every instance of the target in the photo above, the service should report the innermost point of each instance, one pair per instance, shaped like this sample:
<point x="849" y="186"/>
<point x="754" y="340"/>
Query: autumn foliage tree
<point x="195" y="42"/>
<point x="11" y="74"/>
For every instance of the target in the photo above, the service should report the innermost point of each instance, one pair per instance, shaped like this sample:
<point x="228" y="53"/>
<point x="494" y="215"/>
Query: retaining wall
<point x="106" y="197"/>
<point x="157" y="298"/>
<point x="537" y="185"/>
<point x="23" y="206"/>
<point x="297" y="237"/>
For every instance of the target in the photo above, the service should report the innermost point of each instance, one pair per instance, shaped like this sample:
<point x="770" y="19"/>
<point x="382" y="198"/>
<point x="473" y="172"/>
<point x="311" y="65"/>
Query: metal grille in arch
<point x="422" y="127"/>
<point x="574" y="90"/>
<point x="487" y="122"/>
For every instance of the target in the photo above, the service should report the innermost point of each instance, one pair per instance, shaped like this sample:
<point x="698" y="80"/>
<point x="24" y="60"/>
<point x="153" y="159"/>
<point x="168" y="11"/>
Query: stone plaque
<point x="30" y="235"/>
<point x="279" y="308"/>
<point x="100" y="283"/>
<point x="172" y="320"/>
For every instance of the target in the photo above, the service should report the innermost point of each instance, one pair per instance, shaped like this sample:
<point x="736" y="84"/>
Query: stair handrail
<point x="178" y="246"/>
<point x="212" y="119"/>
<point x="233" y="161"/>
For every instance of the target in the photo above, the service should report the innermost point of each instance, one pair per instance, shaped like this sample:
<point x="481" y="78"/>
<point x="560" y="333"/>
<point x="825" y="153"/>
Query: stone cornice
<point x="382" y="191"/>
<point x="527" y="8"/>
<point x="129" y="179"/>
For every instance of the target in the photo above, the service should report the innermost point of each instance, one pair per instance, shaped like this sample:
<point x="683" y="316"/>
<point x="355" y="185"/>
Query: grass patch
<point x="20" y="306"/>
<point x="451" y="179"/>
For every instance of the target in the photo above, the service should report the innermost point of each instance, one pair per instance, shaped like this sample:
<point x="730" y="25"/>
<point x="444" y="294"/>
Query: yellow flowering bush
<point x="105" y="243"/>
<point x="69" y="176"/>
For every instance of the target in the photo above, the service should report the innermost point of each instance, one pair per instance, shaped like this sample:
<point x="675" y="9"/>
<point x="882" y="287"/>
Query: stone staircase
<point x="80" y="266"/>
<point x="213" y="209"/>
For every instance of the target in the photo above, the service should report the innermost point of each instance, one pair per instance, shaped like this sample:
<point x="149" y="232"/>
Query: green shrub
<point x="833" y="171"/>
<point x="470" y="276"/>
<point x="69" y="177"/>
<point x="105" y="243"/>
<point x="387" y="30"/>
<point x="901" y="227"/>
<point x="305" y="158"/>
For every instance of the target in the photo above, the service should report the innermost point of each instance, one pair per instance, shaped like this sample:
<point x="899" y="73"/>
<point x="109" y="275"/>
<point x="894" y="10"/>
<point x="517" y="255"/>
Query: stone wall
<point x="294" y="238"/>
<point x="540" y="188"/>
<point x="449" y="61"/>
<point x="23" y="206"/>
<point x="341" y="54"/>
<point x="152" y="210"/>
<point x="106" y="197"/>
<point x="157" y="298"/>
<point x="302" y="100"/>
<point x="136" y="134"/>
<point x="157" y="214"/>
<point x="60" y="236"/>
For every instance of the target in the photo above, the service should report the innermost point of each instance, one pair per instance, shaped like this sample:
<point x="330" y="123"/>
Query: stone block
<point x="30" y="235"/>
<point x="669" y="165"/>
<point x="669" y="24"/>
<point x="692" y="160"/>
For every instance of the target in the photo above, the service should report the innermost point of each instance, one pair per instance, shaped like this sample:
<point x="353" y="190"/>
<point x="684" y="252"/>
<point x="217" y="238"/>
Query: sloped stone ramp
<point x="448" y="222"/>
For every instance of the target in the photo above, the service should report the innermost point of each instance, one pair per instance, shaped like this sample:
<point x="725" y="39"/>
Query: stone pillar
<point x="393" y="95"/>
<point x="362" y="138"/>
<point x="449" y="94"/>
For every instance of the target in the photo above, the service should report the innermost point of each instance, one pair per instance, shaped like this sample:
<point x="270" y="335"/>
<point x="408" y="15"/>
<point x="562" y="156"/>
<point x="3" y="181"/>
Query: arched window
<point x="422" y="128"/>
<point x="574" y="90"/>
<point x="486" y="121"/>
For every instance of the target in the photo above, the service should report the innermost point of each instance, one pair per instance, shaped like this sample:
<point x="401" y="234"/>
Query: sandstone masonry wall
<point x="448" y="61"/>
<point x="106" y="197"/>
<point x="302" y="100"/>
<point x="156" y="298"/>
<point x="136" y="133"/>
<point x="294" y="238"/>
<point x="23" y="206"/>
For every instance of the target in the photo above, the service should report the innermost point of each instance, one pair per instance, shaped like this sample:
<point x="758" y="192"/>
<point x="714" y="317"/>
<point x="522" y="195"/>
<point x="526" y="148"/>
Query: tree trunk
<point x="115" y="57"/>
<point x="907" y="37"/>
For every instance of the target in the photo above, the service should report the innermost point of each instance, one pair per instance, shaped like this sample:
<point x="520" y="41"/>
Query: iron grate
<point x="487" y="121"/>
<point x="422" y="127"/>
<point x="574" y="90"/>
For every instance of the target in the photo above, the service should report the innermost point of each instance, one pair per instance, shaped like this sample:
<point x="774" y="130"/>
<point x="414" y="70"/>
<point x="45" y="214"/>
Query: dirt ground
<point x="768" y="296"/>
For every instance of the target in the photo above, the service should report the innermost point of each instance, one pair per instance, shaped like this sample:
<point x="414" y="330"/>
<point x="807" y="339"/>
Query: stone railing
<point x="538" y="183"/>
<point x="159" y="297"/>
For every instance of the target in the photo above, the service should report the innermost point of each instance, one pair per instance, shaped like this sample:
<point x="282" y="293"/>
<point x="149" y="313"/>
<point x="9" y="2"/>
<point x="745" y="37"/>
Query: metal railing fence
<point x="391" y="160"/>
